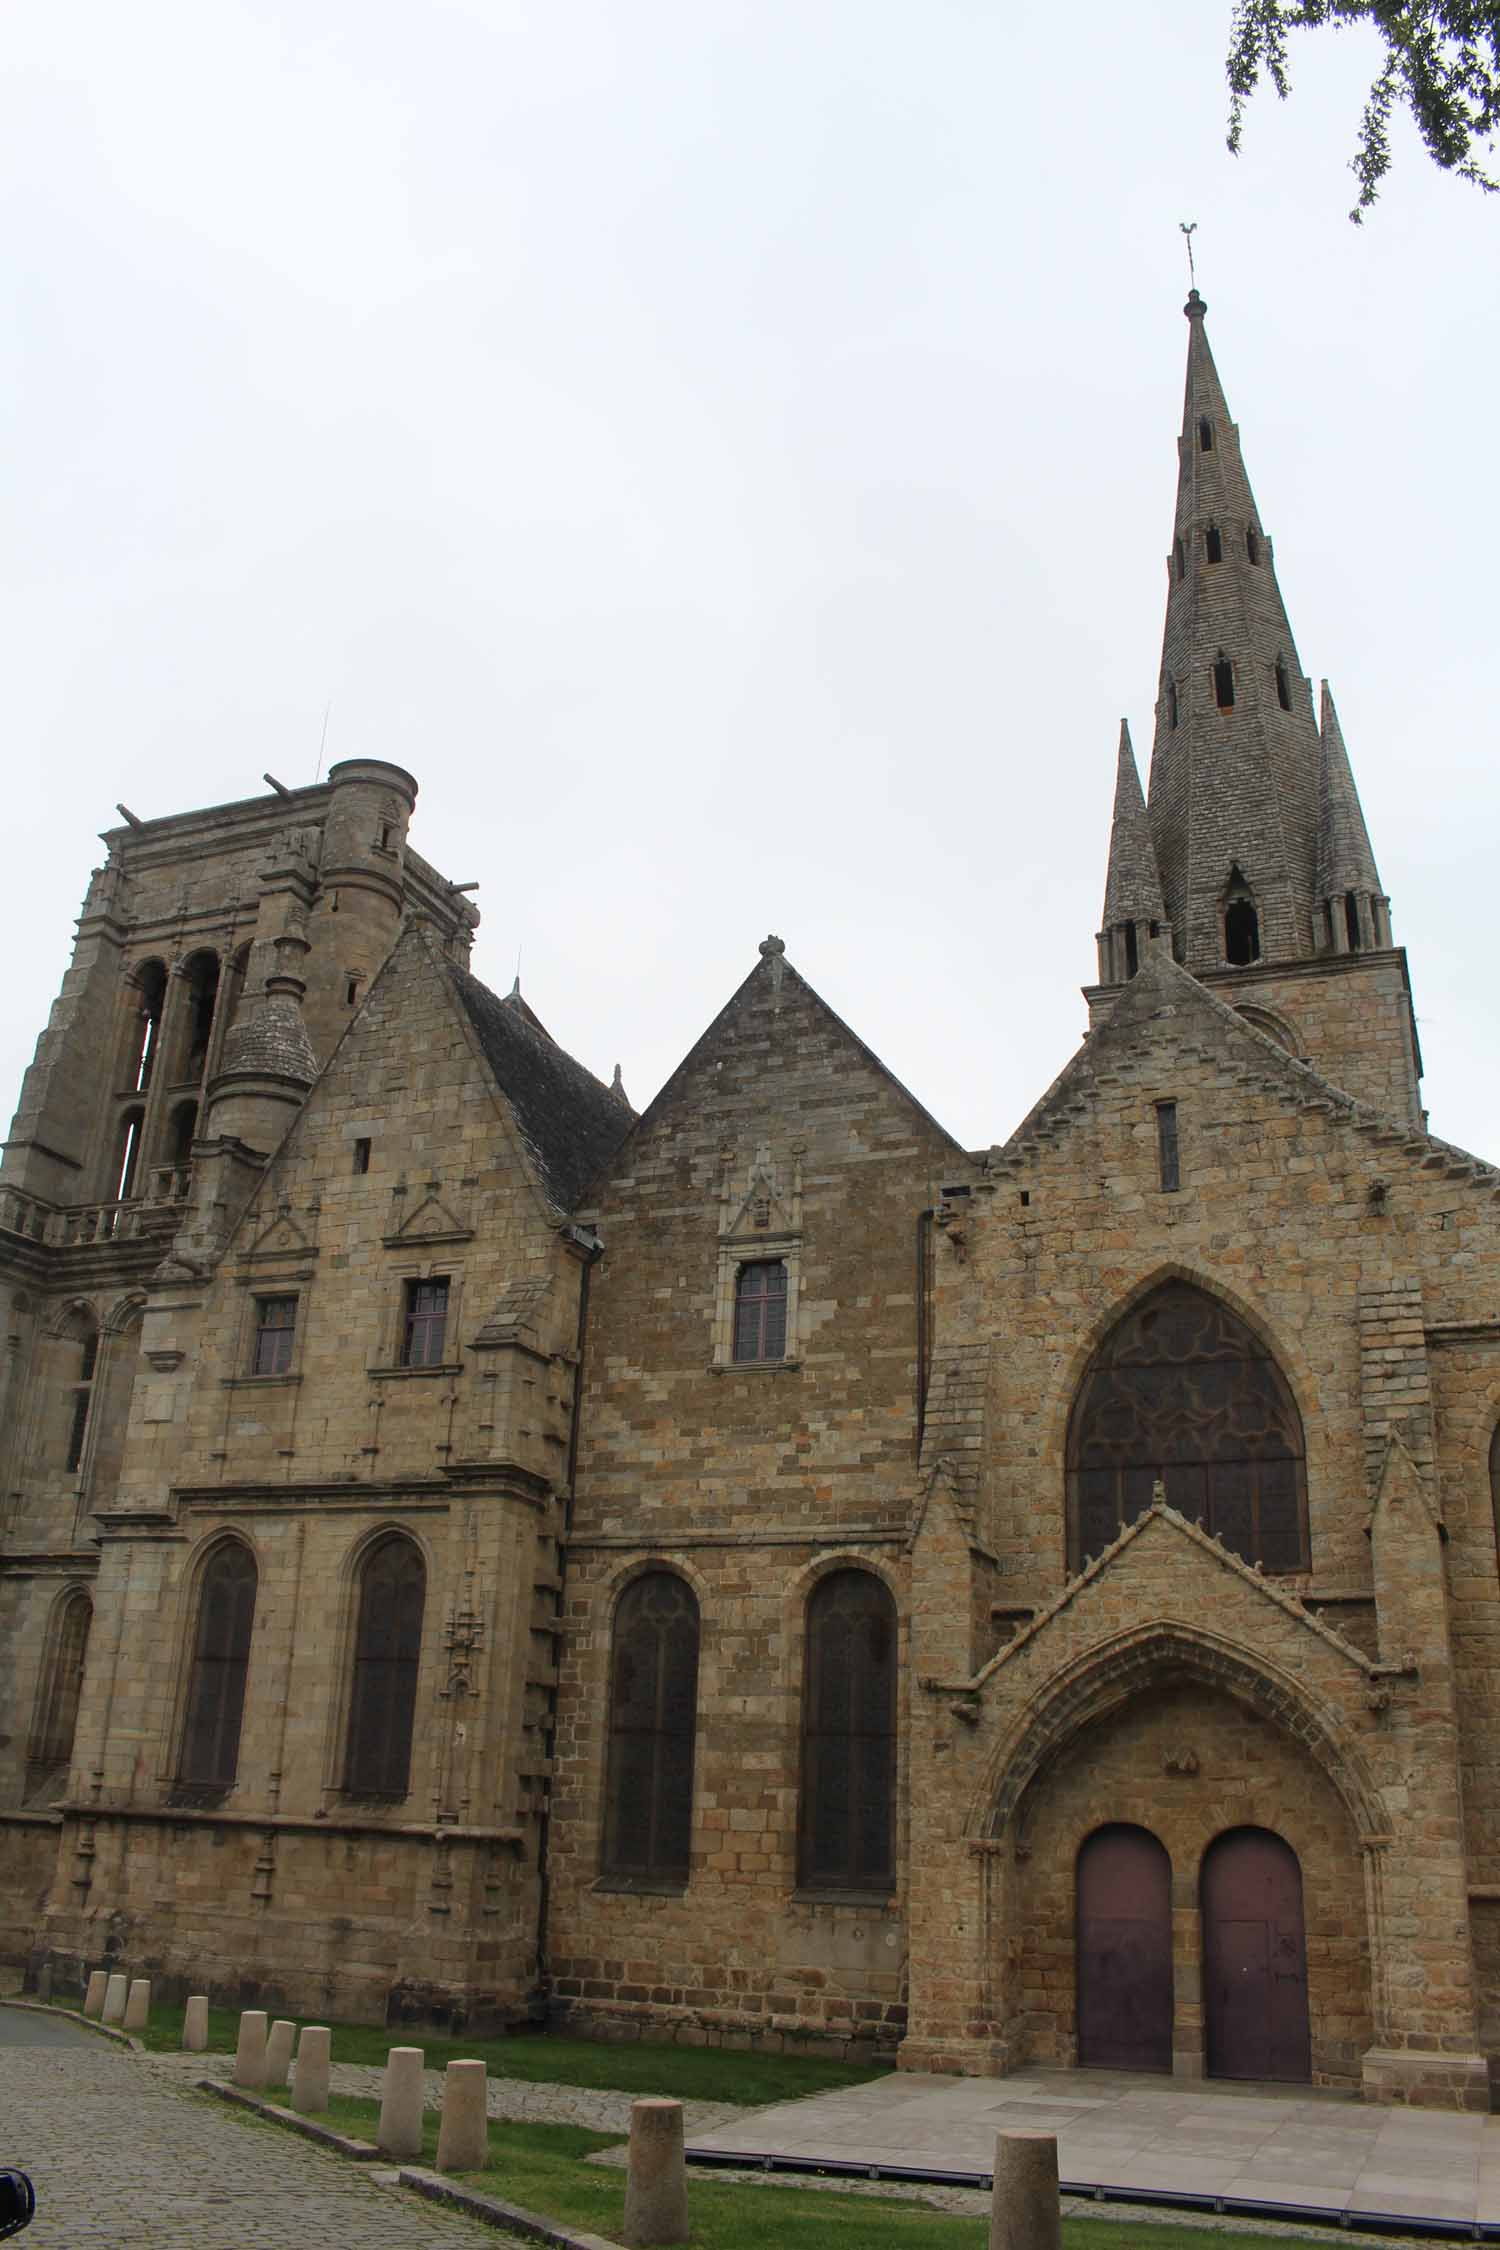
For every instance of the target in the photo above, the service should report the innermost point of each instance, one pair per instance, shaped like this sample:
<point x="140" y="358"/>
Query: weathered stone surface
<point x="137" y="2004"/>
<point x="116" y="1992"/>
<point x="280" y="2041"/>
<point x="401" y="2103"/>
<point x="250" y="2050"/>
<point x="1026" y="2213"/>
<point x="98" y="1985"/>
<point x="195" y="2024"/>
<point x="310" y="2071"/>
<point x="656" y="2201"/>
<point x="464" y="2132"/>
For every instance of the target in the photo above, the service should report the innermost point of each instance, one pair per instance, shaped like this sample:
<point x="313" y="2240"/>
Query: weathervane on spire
<point x="1189" y="231"/>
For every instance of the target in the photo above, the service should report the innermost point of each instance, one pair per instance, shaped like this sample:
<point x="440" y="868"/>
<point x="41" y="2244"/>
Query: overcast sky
<point x="726" y="450"/>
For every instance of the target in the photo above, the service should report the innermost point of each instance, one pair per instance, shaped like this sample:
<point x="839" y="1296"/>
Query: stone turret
<point x="1356" y="914"/>
<point x="1134" y="912"/>
<point x="356" y="912"/>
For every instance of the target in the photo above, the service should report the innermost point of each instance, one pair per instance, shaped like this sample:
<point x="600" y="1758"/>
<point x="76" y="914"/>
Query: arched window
<point x="847" y="1836"/>
<point x="202" y="995"/>
<point x="1351" y="920"/>
<point x="387" y="1653"/>
<point x="127" y="1156"/>
<point x="51" y="1746"/>
<point x="1205" y="435"/>
<point x="1182" y="1394"/>
<point x="184" y="1129"/>
<point x="81" y="1344"/>
<point x="1241" y="933"/>
<point x="221" y="1660"/>
<point x="1283" y="684"/>
<point x="151" y="986"/>
<point x="653" y="1709"/>
<point x="760" y="1311"/>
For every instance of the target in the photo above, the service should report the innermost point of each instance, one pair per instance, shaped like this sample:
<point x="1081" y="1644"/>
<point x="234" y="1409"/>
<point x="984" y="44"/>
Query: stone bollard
<point x="250" y="2050"/>
<point x="138" y="2004"/>
<point x="279" y="2043"/>
<point x="93" y="1999"/>
<point x="44" y="1985"/>
<point x="656" y="2183"/>
<point x="400" y="2131"/>
<point x="114" y="1997"/>
<point x="464" y="2134"/>
<point x="1026" y="2213"/>
<point x="195" y="2024"/>
<point x="310" y="2078"/>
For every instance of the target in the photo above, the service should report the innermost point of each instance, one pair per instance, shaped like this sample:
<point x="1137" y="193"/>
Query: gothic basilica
<point x="758" y="1572"/>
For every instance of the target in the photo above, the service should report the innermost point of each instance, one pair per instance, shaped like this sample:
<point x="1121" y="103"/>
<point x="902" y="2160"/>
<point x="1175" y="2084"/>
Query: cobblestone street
<point x="123" y="2156"/>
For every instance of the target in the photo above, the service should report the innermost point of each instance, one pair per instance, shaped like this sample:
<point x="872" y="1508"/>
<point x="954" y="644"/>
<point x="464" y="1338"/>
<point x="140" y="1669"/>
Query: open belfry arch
<point x="757" y="1571"/>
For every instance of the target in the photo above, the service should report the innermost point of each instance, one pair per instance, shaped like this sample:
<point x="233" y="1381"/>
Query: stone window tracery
<point x="847" y="1840"/>
<point x="387" y="1655"/>
<point x="1182" y="1394"/>
<point x="653" y="1712"/>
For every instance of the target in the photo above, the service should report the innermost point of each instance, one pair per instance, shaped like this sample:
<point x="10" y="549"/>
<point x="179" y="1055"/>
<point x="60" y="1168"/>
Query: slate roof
<point x="569" y="1119"/>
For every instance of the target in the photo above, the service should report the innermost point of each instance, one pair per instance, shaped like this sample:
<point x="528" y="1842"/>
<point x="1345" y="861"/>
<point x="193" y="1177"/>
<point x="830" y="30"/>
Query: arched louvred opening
<point x="1283" y="684"/>
<point x="848" y="1839"/>
<point x="151" y="994"/>
<point x="1205" y="435"/>
<point x="1132" y="950"/>
<point x="1351" y="921"/>
<point x="1254" y="1959"/>
<point x="221" y="1663"/>
<point x="184" y="1130"/>
<point x="1241" y="933"/>
<point x="1182" y="1394"/>
<point x="51" y="1746"/>
<point x="653" y="1715"/>
<point x="387" y="1655"/>
<point x="1124" y="1951"/>
<point x="1213" y="544"/>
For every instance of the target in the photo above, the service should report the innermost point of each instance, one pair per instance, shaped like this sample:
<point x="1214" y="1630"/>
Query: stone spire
<point x="1133" y="908"/>
<point x="1234" y="769"/>
<point x="1355" y="909"/>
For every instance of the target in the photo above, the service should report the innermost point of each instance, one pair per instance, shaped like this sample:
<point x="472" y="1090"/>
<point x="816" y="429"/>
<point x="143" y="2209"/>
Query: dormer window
<point x="1213" y="545"/>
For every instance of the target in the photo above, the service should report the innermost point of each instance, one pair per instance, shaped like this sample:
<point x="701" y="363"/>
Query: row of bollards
<point x="1026" y="2212"/>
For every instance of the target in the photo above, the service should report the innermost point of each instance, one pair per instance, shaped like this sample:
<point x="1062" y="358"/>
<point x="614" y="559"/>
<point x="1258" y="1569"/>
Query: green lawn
<point x="542" y="2168"/>
<point x="701" y="2074"/>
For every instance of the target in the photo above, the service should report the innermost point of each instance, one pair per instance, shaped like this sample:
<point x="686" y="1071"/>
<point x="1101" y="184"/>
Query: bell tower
<point x="1250" y="854"/>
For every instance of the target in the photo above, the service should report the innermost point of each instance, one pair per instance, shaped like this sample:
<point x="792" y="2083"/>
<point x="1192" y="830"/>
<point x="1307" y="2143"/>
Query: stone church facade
<point x="758" y="1572"/>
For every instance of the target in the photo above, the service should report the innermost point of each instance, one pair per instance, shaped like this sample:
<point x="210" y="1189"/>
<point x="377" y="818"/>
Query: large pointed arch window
<point x="1182" y="1394"/>
<point x="221" y="1664"/>
<point x="653" y="1709"/>
<point x="51" y="1745"/>
<point x="848" y="1830"/>
<point x="387" y="1655"/>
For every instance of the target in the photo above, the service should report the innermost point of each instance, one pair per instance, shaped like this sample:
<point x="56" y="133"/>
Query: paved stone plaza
<point x="124" y="2156"/>
<point x="1320" y="2152"/>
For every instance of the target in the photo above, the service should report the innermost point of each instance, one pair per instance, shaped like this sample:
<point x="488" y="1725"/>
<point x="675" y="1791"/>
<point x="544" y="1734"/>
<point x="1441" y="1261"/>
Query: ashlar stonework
<point x="738" y="1574"/>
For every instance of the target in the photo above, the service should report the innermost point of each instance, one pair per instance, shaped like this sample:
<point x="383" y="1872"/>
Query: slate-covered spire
<point x="1356" y="912"/>
<point x="1133" y="908"/>
<point x="1233" y="802"/>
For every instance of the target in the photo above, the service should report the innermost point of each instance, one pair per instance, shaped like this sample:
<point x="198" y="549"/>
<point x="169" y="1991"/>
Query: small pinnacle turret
<point x="1355" y="910"/>
<point x="1134" y="912"/>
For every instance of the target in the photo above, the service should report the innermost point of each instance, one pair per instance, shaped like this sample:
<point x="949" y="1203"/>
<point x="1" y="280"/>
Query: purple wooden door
<point x="1254" y="1958"/>
<point x="1124" y="1951"/>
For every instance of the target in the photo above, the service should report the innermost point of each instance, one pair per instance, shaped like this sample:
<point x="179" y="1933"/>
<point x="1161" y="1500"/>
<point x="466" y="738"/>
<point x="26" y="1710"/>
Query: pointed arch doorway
<point x="1254" y="1959"/>
<point x="1124" y="1951"/>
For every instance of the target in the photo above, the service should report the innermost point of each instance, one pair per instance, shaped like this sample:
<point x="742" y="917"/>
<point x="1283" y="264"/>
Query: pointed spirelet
<point x="1212" y="474"/>
<point x="1132" y="887"/>
<point x="1345" y="861"/>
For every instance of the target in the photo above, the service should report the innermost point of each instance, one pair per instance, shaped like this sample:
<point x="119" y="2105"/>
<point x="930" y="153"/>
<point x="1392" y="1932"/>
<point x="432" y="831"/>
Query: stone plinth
<point x="400" y="2129"/>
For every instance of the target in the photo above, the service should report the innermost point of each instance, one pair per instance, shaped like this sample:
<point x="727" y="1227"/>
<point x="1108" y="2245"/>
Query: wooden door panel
<point x="1124" y="1939"/>
<point x="1254" y="1959"/>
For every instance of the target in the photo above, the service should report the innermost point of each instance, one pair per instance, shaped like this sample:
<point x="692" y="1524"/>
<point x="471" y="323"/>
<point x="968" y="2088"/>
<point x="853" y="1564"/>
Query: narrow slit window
<point x="1171" y="702"/>
<point x="275" y="1327"/>
<point x="361" y="1156"/>
<point x="1351" y="920"/>
<point x="1213" y="544"/>
<point x="1168" y="1158"/>
<point x="1132" y="951"/>
<point x="1252" y="542"/>
<point x="351" y="991"/>
<point x="1179" y="558"/>
<point x="1283" y="685"/>
<point x="1205" y="435"/>
<point x="1224" y="684"/>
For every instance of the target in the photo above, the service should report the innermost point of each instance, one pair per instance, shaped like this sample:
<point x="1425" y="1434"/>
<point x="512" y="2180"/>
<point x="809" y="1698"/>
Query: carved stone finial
<point x="772" y="945"/>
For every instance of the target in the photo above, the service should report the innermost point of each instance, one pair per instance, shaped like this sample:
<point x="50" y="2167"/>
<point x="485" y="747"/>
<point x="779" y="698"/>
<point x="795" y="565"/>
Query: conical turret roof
<point x="1345" y="860"/>
<point x="1132" y="888"/>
